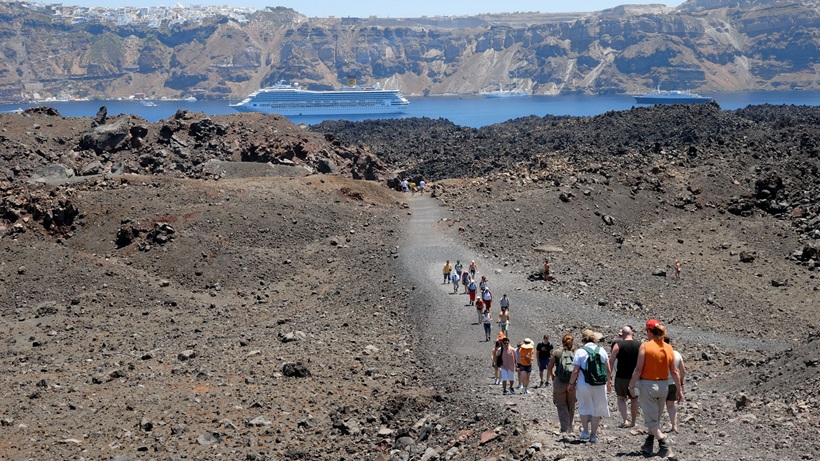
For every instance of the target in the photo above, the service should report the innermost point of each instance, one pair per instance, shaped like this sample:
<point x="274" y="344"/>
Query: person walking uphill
<point x="588" y="379"/>
<point x="560" y="371"/>
<point x="625" y="354"/>
<point x="649" y="383"/>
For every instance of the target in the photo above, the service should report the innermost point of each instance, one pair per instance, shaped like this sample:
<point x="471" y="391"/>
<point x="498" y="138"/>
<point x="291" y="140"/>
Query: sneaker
<point x="504" y="392"/>
<point x="584" y="435"/>
<point x="512" y="391"/>
<point x="524" y="390"/>
<point x="593" y="439"/>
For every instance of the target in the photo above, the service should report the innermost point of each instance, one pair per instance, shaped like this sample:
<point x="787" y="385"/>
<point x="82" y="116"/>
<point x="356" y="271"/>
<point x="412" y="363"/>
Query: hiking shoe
<point x="593" y="439"/>
<point x="665" y="450"/>
<point x="584" y="435"/>
<point x="524" y="390"/>
<point x="504" y="392"/>
<point x="648" y="445"/>
<point x="512" y="391"/>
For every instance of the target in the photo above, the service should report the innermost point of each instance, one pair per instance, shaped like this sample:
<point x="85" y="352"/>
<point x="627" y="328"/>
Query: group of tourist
<point x="646" y="376"/>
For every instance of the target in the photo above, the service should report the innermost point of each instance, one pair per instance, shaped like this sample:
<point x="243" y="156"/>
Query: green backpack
<point x="563" y="369"/>
<point x="595" y="372"/>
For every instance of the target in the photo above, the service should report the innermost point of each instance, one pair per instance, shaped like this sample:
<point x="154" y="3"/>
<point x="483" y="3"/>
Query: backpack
<point x="595" y="372"/>
<point x="563" y="369"/>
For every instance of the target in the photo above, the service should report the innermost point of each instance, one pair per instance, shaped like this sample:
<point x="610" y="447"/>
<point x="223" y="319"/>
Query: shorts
<point x="543" y="364"/>
<point x="507" y="375"/>
<point x="525" y="368"/>
<point x="672" y="395"/>
<point x="504" y="326"/>
<point x="651" y="396"/>
<point x="622" y="387"/>
<point x="488" y="328"/>
<point x="592" y="400"/>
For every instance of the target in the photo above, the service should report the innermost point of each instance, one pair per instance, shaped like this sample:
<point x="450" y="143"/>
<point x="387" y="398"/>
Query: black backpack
<point x="563" y="369"/>
<point x="595" y="372"/>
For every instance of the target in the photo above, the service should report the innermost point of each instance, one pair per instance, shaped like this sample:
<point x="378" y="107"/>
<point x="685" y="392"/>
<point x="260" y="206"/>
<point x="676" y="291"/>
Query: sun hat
<point x="527" y="344"/>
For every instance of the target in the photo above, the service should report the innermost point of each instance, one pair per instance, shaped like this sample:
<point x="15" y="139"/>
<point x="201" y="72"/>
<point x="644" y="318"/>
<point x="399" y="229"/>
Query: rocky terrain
<point x="700" y="45"/>
<point x="238" y="287"/>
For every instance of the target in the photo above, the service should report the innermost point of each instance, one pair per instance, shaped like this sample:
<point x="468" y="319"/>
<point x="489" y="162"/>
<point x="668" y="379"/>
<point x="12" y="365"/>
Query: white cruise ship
<point x="291" y="99"/>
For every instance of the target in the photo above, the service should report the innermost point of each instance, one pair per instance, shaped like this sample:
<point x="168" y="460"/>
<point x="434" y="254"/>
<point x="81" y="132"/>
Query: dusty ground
<point x="172" y="313"/>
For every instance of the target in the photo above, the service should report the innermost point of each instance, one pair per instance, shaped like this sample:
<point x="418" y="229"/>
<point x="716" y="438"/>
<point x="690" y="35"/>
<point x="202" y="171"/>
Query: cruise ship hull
<point x="290" y="100"/>
<point x="671" y="100"/>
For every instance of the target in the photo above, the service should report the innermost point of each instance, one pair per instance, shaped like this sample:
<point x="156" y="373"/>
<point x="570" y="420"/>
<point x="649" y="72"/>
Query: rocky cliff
<point x="709" y="45"/>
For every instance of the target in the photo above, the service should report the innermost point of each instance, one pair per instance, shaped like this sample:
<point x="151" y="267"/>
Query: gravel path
<point x="453" y="345"/>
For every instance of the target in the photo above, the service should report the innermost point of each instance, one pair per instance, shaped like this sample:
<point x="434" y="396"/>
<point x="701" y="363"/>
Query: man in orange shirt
<point x="650" y="384"/>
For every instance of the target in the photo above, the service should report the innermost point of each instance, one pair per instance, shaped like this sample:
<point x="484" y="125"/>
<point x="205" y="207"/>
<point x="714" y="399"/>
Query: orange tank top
<point x="658" y="356"/>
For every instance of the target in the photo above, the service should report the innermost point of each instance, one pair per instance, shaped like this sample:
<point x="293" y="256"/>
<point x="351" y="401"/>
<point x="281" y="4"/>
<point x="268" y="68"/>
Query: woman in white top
<point x="671" y="400"/>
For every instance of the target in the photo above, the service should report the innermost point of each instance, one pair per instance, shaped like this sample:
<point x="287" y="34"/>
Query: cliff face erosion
<point x="709" y="45"/>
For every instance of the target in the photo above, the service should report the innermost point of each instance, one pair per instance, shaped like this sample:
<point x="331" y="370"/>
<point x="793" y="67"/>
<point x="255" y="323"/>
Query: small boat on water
<point x="291" y="99"/>
<point x="149" y="103"/>
<point x="660" y="96"/>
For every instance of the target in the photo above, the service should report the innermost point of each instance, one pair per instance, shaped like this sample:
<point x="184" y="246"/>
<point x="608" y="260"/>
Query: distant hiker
<point x="421" y="186"/>
<point x="487" y="296"/>
<point x="671" y="396"/>
<point x="405" y="185"/>
<point x="625" y="356"/>
<point x="560" y="371"/>
<point x="507" y="354"/>
<point x="592" y="403"/>
<point x="504" y="321"/>
<point x="677" y="269"/>
<point x="459" y="268"/>
<point x="505" y="302"/>
<point x="487" y="319"/>
<point x="547" y="275"/>
<point x="456" y="280"/>
<point x="446" y="271"/>
<point x="483" y="283"/>
<point x="465" y="280"/>
<point x="471" y="288"/>
<point x="413" y="188"/>
<point x="473" y="269"/>
<point x="525" y="357"/>
<point x="544" y="350"/>
<point x="479" y="307"/>
<point x="650" y="383"/>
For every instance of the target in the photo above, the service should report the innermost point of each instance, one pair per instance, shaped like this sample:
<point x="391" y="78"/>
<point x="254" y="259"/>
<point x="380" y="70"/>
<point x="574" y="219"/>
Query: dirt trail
<point x="447" y="321"/>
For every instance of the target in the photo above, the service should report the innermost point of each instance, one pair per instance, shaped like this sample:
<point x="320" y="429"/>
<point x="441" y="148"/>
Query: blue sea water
<point x="471" y="111"/>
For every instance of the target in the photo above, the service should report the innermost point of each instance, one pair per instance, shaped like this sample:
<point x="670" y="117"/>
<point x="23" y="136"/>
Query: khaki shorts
<point x="652" y="400"/>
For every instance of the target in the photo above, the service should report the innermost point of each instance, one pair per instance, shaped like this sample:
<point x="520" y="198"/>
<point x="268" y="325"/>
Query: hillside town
<point x="147" y="16"/>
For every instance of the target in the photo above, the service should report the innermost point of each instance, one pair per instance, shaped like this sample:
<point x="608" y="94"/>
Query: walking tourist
<point x="650" y="383"/>
<point x="623" y="358"/>
<point x="589" y="386"/>
<point x="560" y="371"/>
<point x="525" y="356"/>
<point x="507" y="365"/>
<point x="671" y="395"/>
<point x="446" y="271"/>
<point x="544" y="350"/>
